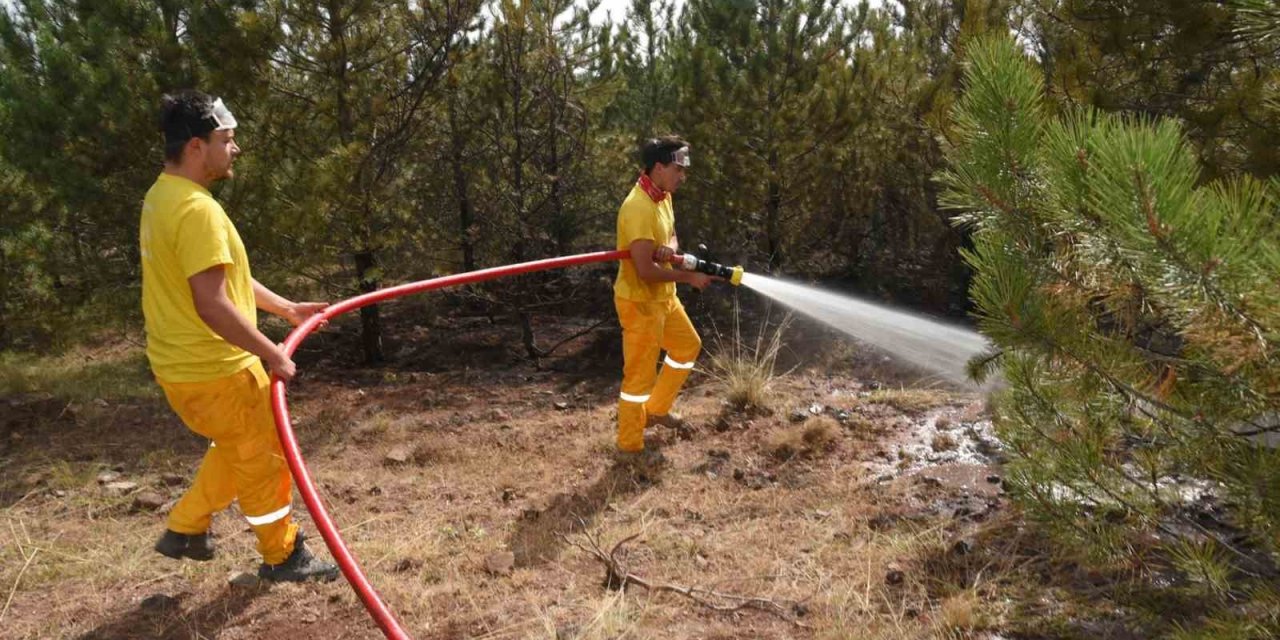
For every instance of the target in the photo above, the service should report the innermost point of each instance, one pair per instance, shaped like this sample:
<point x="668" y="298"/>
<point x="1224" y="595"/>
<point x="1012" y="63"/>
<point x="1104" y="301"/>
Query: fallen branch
<point x="618" y="577"/>
<point x="530" y="345"/>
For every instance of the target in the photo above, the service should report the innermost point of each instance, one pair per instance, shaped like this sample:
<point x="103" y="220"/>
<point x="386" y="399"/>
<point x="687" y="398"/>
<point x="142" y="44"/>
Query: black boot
<point x="180" y="545"/>
<point x="300" y="566"/>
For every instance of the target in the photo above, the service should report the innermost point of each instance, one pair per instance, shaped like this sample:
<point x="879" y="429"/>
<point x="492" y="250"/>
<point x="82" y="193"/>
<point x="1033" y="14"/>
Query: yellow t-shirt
<point x="640" y="218"/>
<point x="184" y="231"/>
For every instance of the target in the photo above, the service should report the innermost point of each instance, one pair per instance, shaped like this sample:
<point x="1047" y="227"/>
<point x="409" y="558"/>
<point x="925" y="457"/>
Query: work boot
<point x="180" y="545"/>
<point x="678" y="426"/>
<point x="644" y="463"/>
<point x="300" y="566"/>
<point x="670" y="421"/>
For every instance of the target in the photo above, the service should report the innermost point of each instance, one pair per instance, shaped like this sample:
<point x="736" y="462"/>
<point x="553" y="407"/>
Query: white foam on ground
<point x="911" y="449"/>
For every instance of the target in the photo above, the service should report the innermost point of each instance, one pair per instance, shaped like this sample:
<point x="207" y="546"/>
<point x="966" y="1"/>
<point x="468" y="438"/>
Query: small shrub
<point x="747" y="371"/>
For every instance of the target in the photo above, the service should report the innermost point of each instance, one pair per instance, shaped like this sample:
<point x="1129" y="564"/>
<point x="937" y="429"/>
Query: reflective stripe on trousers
<point x="243" y="463"/>
<point x="648" y="328"/>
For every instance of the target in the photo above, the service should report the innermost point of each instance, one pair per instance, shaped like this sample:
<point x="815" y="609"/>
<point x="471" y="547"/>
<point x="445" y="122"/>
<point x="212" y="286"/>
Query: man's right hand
<point x="700" y="280"/>
<point x="282" y="366"/>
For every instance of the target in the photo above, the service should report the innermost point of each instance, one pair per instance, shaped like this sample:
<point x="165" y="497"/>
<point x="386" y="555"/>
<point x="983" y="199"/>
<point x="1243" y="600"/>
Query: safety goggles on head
<point x="221" y="116"/>
<point x="681" y="156"/>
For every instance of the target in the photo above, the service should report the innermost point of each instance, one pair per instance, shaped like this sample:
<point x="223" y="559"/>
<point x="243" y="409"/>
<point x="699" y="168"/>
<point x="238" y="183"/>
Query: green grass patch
<point x="79" y="375"/>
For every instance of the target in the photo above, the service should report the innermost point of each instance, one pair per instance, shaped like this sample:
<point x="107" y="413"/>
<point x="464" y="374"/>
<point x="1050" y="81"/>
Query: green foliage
<point x="1211" y="65"/>
<point x="387" y="142"/>
<point x="764" y="93"/>
<point x="535" y="99"/>
<point x="79" y="85"/>
<point x="1257" y="20"/>
<point x="77" y="376"/>
<point x="1135" y="310"/>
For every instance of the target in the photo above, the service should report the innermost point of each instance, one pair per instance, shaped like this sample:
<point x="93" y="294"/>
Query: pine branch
<point x="1090" y="474"/>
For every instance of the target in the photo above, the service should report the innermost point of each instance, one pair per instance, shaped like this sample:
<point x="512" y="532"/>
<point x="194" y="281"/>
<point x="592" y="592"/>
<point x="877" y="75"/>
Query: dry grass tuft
<point x="943" y="442"/>
<point x="959" y="613"/>
<point x="911" y="401"/>
<point x="864" y="428"/>
<point x="811" y="439"/>
<point x="747" y="371"/>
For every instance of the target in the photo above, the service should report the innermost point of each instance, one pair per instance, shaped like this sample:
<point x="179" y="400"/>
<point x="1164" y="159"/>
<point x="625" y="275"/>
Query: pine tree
<point x="645" y="101"/>
<point x="763" y="90"/>
<point x="1134" y="311"/>
<point x="351" y="88"/>
<point x="28" y="262"/>
<point x="537" y="124"/>
<point x="542" y="68"/>
<point x="1170" y="58"/>
<point x="460" y="128"/>
<point x="79" y="87"/>
<point x="878" y="222"/>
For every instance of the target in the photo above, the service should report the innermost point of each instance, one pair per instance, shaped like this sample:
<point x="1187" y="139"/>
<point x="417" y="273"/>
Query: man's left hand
<point x="298" y="312"/>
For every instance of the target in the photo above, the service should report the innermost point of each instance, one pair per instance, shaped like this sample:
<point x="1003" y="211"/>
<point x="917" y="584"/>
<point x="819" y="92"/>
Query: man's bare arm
<point x="649" y="271"/>
<point x="209" y="292"/>
<point x="275" y="304"/>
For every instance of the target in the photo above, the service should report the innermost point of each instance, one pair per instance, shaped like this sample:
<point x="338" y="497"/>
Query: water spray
<point x="918" y="340"/>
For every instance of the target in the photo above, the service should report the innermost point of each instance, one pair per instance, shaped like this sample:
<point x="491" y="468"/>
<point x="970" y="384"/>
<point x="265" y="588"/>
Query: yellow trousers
<point x="648" y="328"/>
<point x="244" y="461"/>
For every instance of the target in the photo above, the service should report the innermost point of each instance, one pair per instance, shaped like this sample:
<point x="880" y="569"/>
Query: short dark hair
<point x="660" y="149"/>
<point x="184" y="115"/>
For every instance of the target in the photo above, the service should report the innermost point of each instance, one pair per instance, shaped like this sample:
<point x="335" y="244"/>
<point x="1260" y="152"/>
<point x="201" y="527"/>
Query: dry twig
<point x="618" y="577"/>
<point x="28" y="559"/>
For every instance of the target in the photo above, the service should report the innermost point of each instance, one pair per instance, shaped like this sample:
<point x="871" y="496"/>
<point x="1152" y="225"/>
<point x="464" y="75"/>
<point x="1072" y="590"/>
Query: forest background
<point x="1094" y="182"/>
<point x="389" y="141"/>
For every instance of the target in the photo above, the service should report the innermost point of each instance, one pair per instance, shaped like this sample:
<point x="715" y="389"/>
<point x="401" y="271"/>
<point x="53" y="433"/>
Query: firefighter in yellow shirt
<point x="200" y="303"/>
<point x="652" y="318"/>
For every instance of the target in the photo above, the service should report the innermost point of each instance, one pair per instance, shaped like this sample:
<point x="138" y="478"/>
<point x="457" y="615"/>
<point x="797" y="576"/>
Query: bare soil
<point x="886" y="520"/>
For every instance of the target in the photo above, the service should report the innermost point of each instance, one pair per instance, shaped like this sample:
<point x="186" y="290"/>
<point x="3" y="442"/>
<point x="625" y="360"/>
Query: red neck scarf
<point x="654" y="192"/>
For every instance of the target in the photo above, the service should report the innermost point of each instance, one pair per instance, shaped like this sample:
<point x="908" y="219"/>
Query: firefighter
<point x="652" y="318"/>
<point x="200" y="305"/>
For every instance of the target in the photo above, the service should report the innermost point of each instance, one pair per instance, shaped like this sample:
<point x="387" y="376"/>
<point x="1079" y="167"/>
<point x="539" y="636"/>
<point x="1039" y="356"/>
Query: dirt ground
<point x="470" y="482"/>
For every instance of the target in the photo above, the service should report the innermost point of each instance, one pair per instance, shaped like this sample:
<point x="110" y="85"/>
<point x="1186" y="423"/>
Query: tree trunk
<point x="560" y="225"/>
<point x="370" y="324"/>
<point x="171" y="48"/>
<point x="4" y="300"/>
<point x="466" y="216"/>
<point x="773" y="215"/>
<point x="527" y="338"/>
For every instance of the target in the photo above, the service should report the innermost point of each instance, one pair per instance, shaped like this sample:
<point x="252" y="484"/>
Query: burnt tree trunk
<point x="370" y="322"/>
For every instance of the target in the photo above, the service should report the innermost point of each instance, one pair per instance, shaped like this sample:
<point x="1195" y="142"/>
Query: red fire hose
<point x="350" y="568"/>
